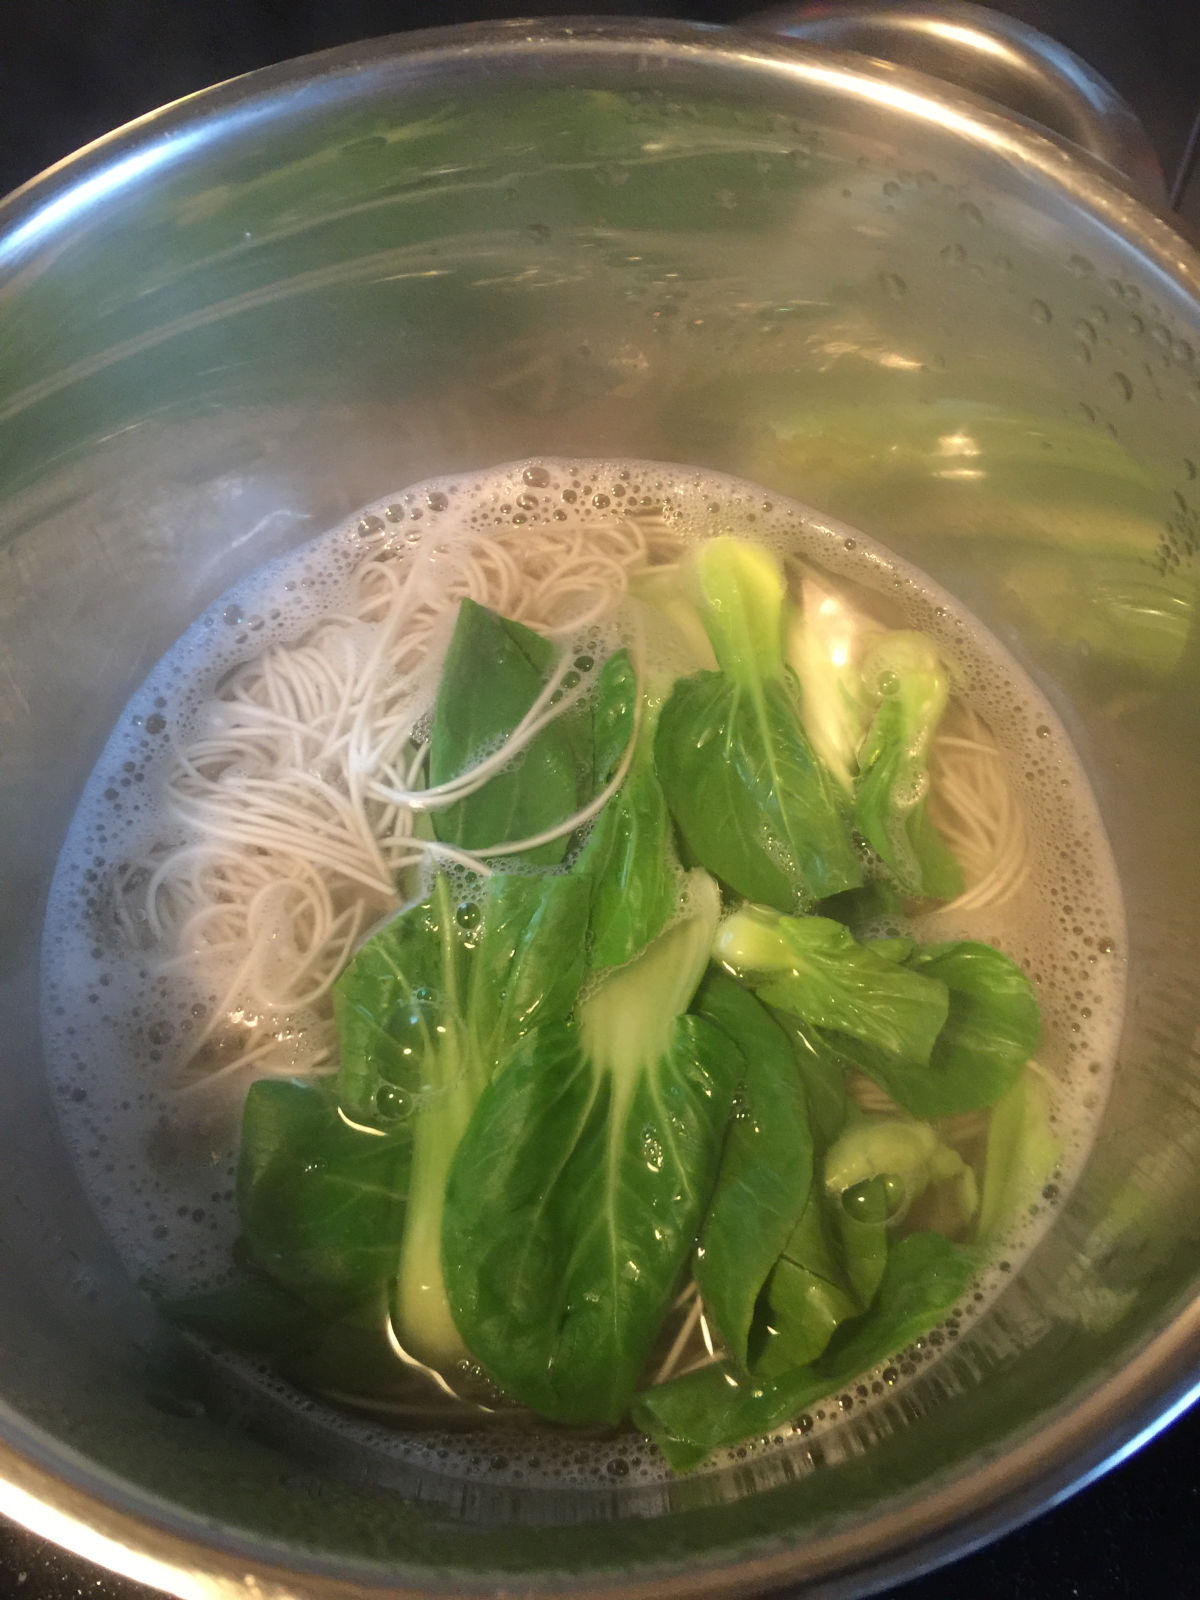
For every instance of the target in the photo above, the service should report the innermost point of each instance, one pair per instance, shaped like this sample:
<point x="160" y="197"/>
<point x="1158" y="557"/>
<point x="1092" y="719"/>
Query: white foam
<point x="161" y="1170"/>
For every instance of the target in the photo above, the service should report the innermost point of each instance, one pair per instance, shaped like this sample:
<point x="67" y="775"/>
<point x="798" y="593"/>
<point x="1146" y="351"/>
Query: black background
<point x="70" y="70"/>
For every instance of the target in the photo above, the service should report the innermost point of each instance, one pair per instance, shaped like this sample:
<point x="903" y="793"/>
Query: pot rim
<point x="53" y="1490"/>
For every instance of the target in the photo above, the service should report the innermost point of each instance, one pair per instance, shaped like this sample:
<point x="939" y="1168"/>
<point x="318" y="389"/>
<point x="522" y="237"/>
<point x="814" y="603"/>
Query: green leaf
<point x="753" y="803"/>
<point x="347" y="1350"/>
<point x="862" y="1218"/>
<point x="908" y="1158"/>
<point x="321" y="1203"/>
<point x="601" y="725"/>
<point x="575" y="1194"/>
<point x="766" y="1166"/>
<point x="1022" y="1152"/>
<point x="862" y="910"/>
<point x="992" y="1030"/>
<point x="493" y="672"/>
<point x="825" y="636"/>
<point x="824" y="1075"/>
<point x="806" y="1297"/>
<point x="689" y="1417"/>
<point x="875" y="1172"/>
<point x="250" y="1312"/>
<point x="904" y="678"/>
<point x="450" y="974"/>
<point x="630" y="852"/>
<point x="741" y="591"/>
<point x="812" y="968"/>
<point x="426" y="1012"/>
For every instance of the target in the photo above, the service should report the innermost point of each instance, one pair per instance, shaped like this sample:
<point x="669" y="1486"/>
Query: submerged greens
<point x="752" y="801"/>
<point x="630" y="853"/>
<point x="578" y="1188"/>
<point x="426" y="1011"/>
<point x="692" y="1416"/>
<point x="606" y="1092"/>
<point x="904" y="678"/>
<point x="943" y="1028"/>
<point x="494" y="672"/>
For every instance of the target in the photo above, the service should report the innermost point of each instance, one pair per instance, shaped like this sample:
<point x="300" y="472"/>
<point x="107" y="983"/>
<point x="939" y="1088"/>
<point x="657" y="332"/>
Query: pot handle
<point x="995" y="56"/>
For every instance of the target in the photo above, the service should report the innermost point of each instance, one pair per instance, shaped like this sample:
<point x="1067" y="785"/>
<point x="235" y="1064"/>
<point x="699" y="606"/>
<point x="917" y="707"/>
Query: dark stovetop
<point x="70" y="71"/>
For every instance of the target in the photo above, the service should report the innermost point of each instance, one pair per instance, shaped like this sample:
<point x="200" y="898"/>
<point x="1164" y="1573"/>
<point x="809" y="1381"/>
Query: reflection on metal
<point x="997" y="56"/>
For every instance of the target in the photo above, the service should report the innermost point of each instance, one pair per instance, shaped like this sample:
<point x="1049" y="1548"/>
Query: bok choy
<point x="754" y="804"/>
<point x="614" y="1083"/>
<point x="579" y="1185"/>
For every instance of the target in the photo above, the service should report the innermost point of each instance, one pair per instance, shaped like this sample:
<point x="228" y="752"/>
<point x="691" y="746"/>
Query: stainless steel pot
<point x="234" y="321"/>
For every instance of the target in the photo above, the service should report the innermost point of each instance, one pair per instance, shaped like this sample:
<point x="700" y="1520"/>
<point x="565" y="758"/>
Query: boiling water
<point x="160" y="1167"/>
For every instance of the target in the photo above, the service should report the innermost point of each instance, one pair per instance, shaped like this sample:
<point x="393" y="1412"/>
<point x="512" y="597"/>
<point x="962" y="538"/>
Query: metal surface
<point x="996" y="56"/>
<point x="230" y="324"/>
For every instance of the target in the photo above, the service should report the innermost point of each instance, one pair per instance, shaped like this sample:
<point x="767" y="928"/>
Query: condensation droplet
<point x="1122" y="385"/>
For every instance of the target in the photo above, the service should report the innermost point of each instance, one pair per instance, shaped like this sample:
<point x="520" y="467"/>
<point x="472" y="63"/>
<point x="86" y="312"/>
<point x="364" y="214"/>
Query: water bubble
<point x="232" y="616"/>
<point x="390" y="1102"/>
<point x="536" y="477"/>
<point x="436" y="500"/>
<point x="368" y="527"/>
<point x="652" y="1150"/>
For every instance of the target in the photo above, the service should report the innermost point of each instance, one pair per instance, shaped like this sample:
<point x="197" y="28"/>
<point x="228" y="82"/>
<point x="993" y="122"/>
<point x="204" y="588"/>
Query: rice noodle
<point x="301" y="804"/>
<point x="973" y="806"/>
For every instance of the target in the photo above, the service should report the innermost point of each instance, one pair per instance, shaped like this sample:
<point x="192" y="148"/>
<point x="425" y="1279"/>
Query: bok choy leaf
<point x="494" y="671"/>
<point x="766" y="1171"/>
<point x="630" y="852"/>
<point x="824" y="640"/>
<point x="575" y="1194"/>
<point x="943" y="1028"/>
<point x="752" y="801"/>
<point x="905" y="679"/>
<point x="692" y="1416"/>
<point x="813" y="968"/>
<point x="1022" y="1152"/>
<point x="426" y="1012"/>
